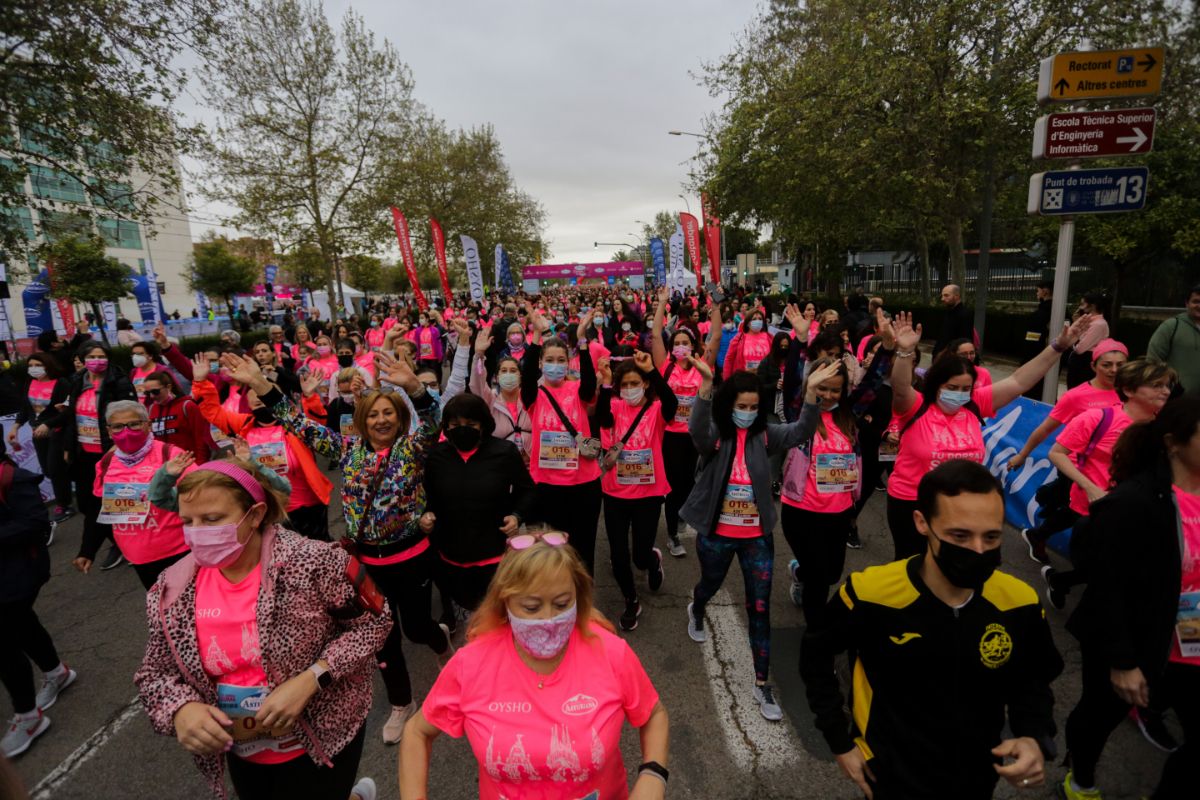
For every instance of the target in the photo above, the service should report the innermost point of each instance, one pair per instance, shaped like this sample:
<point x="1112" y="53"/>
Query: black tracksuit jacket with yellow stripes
<point x="931" y="683"/>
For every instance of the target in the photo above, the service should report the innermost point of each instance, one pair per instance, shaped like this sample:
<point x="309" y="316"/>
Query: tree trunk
<point x="923" y="244"/>
<point x="958" y="262"/>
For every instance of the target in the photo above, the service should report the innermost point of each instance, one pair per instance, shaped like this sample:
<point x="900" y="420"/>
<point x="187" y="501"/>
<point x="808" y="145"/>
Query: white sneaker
<point x="21" y="733"/>
<point x="364" y="789"/>
<point x="51" y="687"/>
<point x="444" y="658"/>
<point x="696" y="627"/>
<point x="675" y="547"/>
<point x="393" y="729"/>
<point x="768" y="706"/>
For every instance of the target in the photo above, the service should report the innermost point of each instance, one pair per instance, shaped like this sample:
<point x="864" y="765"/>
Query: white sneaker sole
<point x="696" y="635"/>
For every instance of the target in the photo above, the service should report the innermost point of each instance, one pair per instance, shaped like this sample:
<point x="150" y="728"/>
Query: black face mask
<point x="963" y="567"/>
<point x="263" y="415"/>
<point x="464" y="437"/>
<point x="345" y="361"/>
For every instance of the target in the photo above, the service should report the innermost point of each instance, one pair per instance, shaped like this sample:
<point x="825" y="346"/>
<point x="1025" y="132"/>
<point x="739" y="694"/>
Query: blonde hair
<point x="198" y="480"/>
<point x="520" y="571"/>
<point x="362" y="410"/>
<point x="346" y="375"/>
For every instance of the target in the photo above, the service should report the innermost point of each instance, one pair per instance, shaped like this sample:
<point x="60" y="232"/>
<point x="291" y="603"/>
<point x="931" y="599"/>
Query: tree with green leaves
<point x="83" y="272"/>
<point x="364" y="273"/>
<point x="304" y="266"/>
<point x="308" y="120"/>
<point x="86" y="88"/>
<point x="220" y="272"/>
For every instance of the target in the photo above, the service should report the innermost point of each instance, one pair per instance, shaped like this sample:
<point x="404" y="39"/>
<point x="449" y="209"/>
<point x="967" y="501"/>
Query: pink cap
<point x="244" y="479"/>
<point x="1108" y="346"/>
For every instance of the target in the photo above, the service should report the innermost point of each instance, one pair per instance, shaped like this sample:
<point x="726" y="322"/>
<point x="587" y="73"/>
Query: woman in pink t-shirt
<point x="945" y="421"/>
<point x="261" y="645"/>
<point x="542" y="691"/>
<point x="634" y="483"/>
<point x="1083" y="451"/>
<point x="750" y="346"/>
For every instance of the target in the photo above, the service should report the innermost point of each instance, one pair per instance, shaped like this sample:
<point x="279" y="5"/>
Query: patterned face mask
<point x="543" y="638"/>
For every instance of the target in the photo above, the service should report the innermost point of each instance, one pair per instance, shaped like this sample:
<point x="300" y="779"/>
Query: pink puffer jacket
<point x="306" y="611"/>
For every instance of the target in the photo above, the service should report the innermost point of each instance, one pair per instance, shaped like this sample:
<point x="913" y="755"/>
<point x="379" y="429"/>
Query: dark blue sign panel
<point x="1088" y="191"/>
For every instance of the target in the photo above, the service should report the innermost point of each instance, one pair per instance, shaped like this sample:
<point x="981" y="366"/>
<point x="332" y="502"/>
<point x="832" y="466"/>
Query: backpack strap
<point x="633" y="425"/>
<point x="1106" y="420"/>
<point x="105" y="460"/>
<point x="562" y="417"/>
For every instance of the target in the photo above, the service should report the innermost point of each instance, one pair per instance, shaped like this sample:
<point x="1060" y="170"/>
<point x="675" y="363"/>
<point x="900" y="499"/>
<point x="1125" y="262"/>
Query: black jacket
<point x="1127" y="613"/>
<point x="471" y="498"/>
<point x="24" y="526"/>
<point x="115" y="385"/>
<point x="932" y="684"/>
<point x="959" y="324"/>
<point x="51" y="417"/>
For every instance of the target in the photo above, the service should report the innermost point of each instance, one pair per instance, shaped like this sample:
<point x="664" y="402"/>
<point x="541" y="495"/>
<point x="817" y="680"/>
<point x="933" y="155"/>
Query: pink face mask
<point x="681" y="351"/>
<point x="96" y="365"/>
<point x="215" y="545"/>
<point x="129" y="440"/>
<point x="324" y="350"/>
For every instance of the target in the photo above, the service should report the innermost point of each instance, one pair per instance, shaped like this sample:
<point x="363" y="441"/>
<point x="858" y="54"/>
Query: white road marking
<point x="753" y="742"/>
<point x="82" y="754"/>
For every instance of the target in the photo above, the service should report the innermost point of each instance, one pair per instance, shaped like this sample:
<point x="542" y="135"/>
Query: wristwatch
<point x="656" y="769"/>
<point x="324" y="676"/>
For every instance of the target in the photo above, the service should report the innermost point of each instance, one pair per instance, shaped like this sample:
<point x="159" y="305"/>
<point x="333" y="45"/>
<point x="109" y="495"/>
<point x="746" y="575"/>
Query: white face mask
<point x="633" y="396"/>
<point x="37" y="373"/>
<point x="139" y="360"/>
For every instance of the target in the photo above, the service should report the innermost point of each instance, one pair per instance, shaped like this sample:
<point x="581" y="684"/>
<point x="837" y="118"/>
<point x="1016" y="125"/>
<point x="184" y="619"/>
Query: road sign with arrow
<point x="1100" y="74"/>
<point x="1094" y="134"/>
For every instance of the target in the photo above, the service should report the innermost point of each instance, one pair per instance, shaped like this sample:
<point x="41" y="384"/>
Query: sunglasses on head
<point x="524" y="541"/>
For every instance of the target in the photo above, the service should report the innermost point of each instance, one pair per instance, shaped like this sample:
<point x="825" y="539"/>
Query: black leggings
<point x="906" y="539"/>
<point x="50" y="456"/>
<point x="311" y="522"/>
<point x="300" y="777"/>
<point x="1100" y="711"/>
<point x="869" y="439"/>
<point x="466" y="586"/>
<point x="408" y="587"/>
<point x="620" y="515"/>
<point x="575" y="510"/>
<point x="819" y="544"/>
<point x="148" y="573"/>
<point x="679" y="457"/>
<point x="83" y="472"/>
<point x="23" y="639"/>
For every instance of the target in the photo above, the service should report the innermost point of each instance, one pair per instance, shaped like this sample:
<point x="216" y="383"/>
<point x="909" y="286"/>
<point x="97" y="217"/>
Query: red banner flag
<point x="439" y="250"/>
<point x="691" y="237"/>
<point x="66" y="312"/>
<point x="406" y="253"/>
<point x="712" y="238"/>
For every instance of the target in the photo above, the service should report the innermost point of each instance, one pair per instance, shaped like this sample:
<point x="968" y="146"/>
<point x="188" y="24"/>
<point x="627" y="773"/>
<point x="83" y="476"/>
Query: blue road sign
<point x="1088" y="191"/>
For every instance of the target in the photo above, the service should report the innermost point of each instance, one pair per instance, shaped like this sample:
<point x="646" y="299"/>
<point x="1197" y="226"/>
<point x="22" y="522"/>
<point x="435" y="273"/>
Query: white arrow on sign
<point x="1137" y="140"/>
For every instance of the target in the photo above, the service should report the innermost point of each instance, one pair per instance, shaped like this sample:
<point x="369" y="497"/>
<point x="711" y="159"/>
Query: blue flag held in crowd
<point x="660" y="261"/>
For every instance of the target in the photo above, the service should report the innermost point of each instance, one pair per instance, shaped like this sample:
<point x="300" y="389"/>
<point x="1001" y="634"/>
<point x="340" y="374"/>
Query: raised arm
<point x="700" y="424"/>
<point x="908" y="339"/>
<point x="324" y="440"/>
<point x="1025" y="376"/>
<point x="462" y="360"/>
<point x="604" y="415"/>
<point x="662" y="390"/>
<point x="713" y="345"/>
<point x="657" y="348"/>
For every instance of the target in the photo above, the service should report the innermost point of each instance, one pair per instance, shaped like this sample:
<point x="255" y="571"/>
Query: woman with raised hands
<point x="509" y="415"/>
<point x="383" y="498"/>
<point x="751" y="344"/>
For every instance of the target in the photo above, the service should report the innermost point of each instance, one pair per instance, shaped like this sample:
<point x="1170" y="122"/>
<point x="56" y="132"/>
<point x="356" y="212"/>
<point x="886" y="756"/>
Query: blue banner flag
<point x="504" y="275"/>
<point x="658" y="256"/>
<point x="35" y="299"/>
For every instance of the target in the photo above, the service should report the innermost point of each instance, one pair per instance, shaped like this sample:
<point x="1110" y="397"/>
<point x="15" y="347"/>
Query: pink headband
<point x="1108" y="346"/>
<point x="244" y="479"/>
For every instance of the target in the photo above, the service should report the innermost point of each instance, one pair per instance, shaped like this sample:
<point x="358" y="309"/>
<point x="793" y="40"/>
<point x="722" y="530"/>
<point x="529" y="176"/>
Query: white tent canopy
<point x="321" y="299"/>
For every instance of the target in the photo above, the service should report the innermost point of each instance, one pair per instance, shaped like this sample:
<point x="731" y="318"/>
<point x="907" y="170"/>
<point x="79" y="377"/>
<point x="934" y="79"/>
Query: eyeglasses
<point x="117" y="427"/>
<point x="525" y="541"/>
<point x="152" y="392"/>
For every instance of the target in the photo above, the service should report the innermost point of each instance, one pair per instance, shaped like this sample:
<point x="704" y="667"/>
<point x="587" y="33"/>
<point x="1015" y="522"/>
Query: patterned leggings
<point x="757" y="559"/>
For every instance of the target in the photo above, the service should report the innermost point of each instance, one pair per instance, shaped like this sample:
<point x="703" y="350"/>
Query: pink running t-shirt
<point x="739" y="517"/>
<point x="141" y="530"/>
<point x="1076" y="436"/>
<point x="639" y="471"/>
<point x="87" y="421"/>
<point x="227" y="632"/>
<point x="554" y="456"/>
<point x="544" y="737"/>
<point x="755" y="347"/>
<point x="1080" y="399"/>
<point x="1189" y="594"/>
<point x="935" y="438"/>
<point x="685" y="383"/>
<point x="829" y="488"/>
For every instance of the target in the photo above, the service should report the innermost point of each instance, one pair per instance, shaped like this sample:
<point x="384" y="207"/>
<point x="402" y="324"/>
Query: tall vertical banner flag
<point x="202" y="305"/>
<point x="406" y="253"/>
<point x="6" y="331"/>
<point x="712" y="237"/>
<point x="36" y="306"/>
<point x="691" y="237"/>
<point x="660" y="262"/>
<point x="474" y="268"/>
<point x="439" y="251"/>
<point x="677" y="273"/>
<point x="156" y="313"/>
<point x="60" y="309"/>
<point x="109" y="309"/>
<point x="504" y="275"/>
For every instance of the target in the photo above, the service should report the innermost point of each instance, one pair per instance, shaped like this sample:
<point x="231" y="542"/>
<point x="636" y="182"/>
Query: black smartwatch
<point x="658" y="769"/>
<point x="324" y="677"/>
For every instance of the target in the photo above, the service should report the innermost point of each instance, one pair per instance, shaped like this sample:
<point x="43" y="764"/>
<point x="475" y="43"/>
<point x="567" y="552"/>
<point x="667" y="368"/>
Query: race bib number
<point x="87" y="428"/>
<point x="220" y="438"/>
<point x="683" y="412"/>
<point x="1033" y="336"/>
<point x="1187" y="624"/>
<point x="635" y="468"/>
<point x="124" y="504"/>
<point x="346" y="425"/>
<point x="426" y="350"/>
<point x="752" y="363"/>
<point x="836" y="473"/>
<point x="272" y="455"/>
<point x="240" y="704"/>
<point x="888" y="450"/>
<point x="738" y="507"/>
<point x="558" y="450"/>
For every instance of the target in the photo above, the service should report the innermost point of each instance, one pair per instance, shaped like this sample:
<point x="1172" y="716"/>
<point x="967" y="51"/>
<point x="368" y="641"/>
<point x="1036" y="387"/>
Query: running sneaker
<point x="629" y="617"/>
<point x="449" y="618"/>
<point x="443" y="658"/>
<point x="768" y="706"/>
<point x="52" y="686"/>
<point x="112" y="558"/>
<point x="364" y="790"/>
<point x="22" y="730"/>
<point x="1067" y="790"/>
<point x="852" y="540"/>
<point x="655" y="578"/>
<point x="675" y="547"/>
<point x="797" y="586"/>
<point x="1037" y="547"/>
<point x="393" y="729"/>
<point x="61" y="514"/>
<point x="1056" y="597"/>
<point x="776" y="489"/>
<point x="1150" y="723"/>
<point x="696" y="627"/>
<point x="50" y="535"/>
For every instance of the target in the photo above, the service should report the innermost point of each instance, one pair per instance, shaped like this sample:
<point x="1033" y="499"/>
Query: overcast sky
<point x="581" y="95"/>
